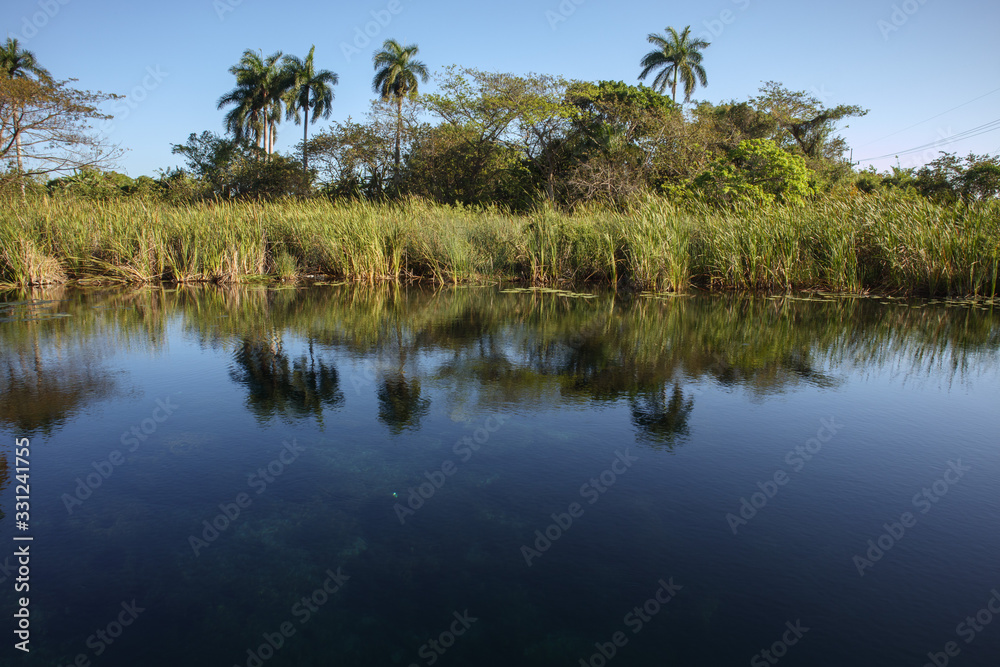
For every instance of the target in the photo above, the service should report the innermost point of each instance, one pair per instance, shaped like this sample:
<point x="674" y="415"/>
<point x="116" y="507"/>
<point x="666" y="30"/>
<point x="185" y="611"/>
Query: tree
<point x="211" y="159"/>
<point x="756" y="171"/>
<point x="396" y="74"/>
<point x="18" y="63"/>
<point x="616" y="139"/>
<point x="356" y="159"/>
<point x="260" y="87"/>
<point x="229" y="169"/>
<point x="949" y="178"/>
<point x="494" y="113"/>
<point x="309" y="90"/>
<point x="678" y="58"/>
<point x="45" y="126"/>
<point x="804" y="121"/>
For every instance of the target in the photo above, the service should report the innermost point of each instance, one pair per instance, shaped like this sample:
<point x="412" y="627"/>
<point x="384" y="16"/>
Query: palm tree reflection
<point x="400" y="404"/>
<point x="278" y="385"/>
<point x="661" y="422"/>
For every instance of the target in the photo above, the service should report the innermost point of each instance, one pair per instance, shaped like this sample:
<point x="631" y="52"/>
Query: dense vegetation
<point x="886" y="241"/>
<point x="495" y="175"/>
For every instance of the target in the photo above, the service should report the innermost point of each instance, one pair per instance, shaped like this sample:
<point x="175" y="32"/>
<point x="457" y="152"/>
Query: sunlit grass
<point x="885" y="242"/>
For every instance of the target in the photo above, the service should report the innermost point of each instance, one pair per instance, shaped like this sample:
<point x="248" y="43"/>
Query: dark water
<point x="488" y="478"/>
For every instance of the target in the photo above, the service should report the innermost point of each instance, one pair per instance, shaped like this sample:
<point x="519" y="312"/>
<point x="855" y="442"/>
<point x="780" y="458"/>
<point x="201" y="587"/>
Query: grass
<point x="889" y="243"/>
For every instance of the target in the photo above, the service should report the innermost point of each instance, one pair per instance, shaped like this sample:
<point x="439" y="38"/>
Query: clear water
<point x="402" y="448"/>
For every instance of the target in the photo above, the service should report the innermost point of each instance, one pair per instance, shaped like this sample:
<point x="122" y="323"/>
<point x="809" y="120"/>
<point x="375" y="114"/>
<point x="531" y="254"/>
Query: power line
<point x="931" y="118"/>
<point x="985" y="128"/>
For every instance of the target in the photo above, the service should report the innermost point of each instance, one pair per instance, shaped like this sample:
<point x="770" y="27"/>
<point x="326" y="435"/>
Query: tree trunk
<point x="673" y="87"/>
<point x="20" y="164"/>
<point x="399" y="131"/>
<point x="305" y="137"/>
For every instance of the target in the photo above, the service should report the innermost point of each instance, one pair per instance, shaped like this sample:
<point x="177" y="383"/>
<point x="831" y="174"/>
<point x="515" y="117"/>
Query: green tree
<point x="616" y="139"/>
<point x="756" y="171"/>
<point x="396" y="78"/>
<point x="309" y="90"/>
<point x="257" y="98"/>
<point x="804" y="121"/>
<point x="356" y="159"/>
<point x="678" y="57"/>
<point x="497" y="115"/>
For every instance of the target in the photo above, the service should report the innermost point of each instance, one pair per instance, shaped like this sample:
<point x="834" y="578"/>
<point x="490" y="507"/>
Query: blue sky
<point x="906" y="61"/>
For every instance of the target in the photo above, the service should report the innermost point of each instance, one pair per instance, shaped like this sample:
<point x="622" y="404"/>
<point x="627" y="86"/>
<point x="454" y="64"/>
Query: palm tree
<point x="679" y="56"/>
<point x="18" y="63"/>
<point x="260" y="87"/>
<point x="396" y="75"/>
<point x="310" y="90"/>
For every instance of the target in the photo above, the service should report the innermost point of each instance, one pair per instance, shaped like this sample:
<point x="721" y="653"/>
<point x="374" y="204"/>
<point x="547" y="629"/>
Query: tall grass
<point x="886" y="242"/>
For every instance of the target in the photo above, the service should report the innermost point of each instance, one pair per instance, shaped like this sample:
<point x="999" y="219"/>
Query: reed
<point x="887" y="242"/>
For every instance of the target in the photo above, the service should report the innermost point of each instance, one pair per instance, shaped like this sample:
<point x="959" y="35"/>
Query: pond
<point x="339" y="475"/>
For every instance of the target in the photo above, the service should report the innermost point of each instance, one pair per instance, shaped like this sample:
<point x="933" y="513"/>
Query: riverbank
<point x="886" y="243"/>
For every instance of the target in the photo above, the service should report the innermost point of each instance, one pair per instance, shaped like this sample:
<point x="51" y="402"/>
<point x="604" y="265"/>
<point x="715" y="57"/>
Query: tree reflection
<point x="660" y="421"/>
<point x="39" y="394"/>
<point x="400" y="404"/>
<point x="279" y="386"/>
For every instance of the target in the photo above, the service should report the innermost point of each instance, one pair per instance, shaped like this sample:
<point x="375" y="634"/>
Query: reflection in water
<point x="279" y="386"/>
<point x="482" y="350"/>
<point x="50" y="363"/>
<point x="661" y="422"/>
<point x="400" y="405"/>
<point x="39" y="395"/>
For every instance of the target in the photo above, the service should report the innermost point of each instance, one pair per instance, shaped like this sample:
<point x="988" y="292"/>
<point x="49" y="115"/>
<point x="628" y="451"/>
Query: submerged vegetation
<point x="886" y="242"/>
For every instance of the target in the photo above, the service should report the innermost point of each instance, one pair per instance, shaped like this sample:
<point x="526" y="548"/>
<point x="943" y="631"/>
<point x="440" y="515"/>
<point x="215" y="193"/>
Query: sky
<point x="928" y="70"/>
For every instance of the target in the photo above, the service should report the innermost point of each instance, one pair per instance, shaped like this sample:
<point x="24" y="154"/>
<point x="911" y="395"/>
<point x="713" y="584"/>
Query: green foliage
<point x="804" y="121"/>
<point x="950" y="178"/>
<point x="678" y="59"/>
<point x="947" y="179"/>
<point x="449" y="164"/>
<point x="230" y="169"/>
<point x="308" y="90"/>
<point x="730" y="123"/>
<point x="756" y="172"/>
<point x="103" y="185"/>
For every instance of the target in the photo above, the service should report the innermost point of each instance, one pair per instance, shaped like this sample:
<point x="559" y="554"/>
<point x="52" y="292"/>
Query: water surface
<point x="346" y="476"/>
